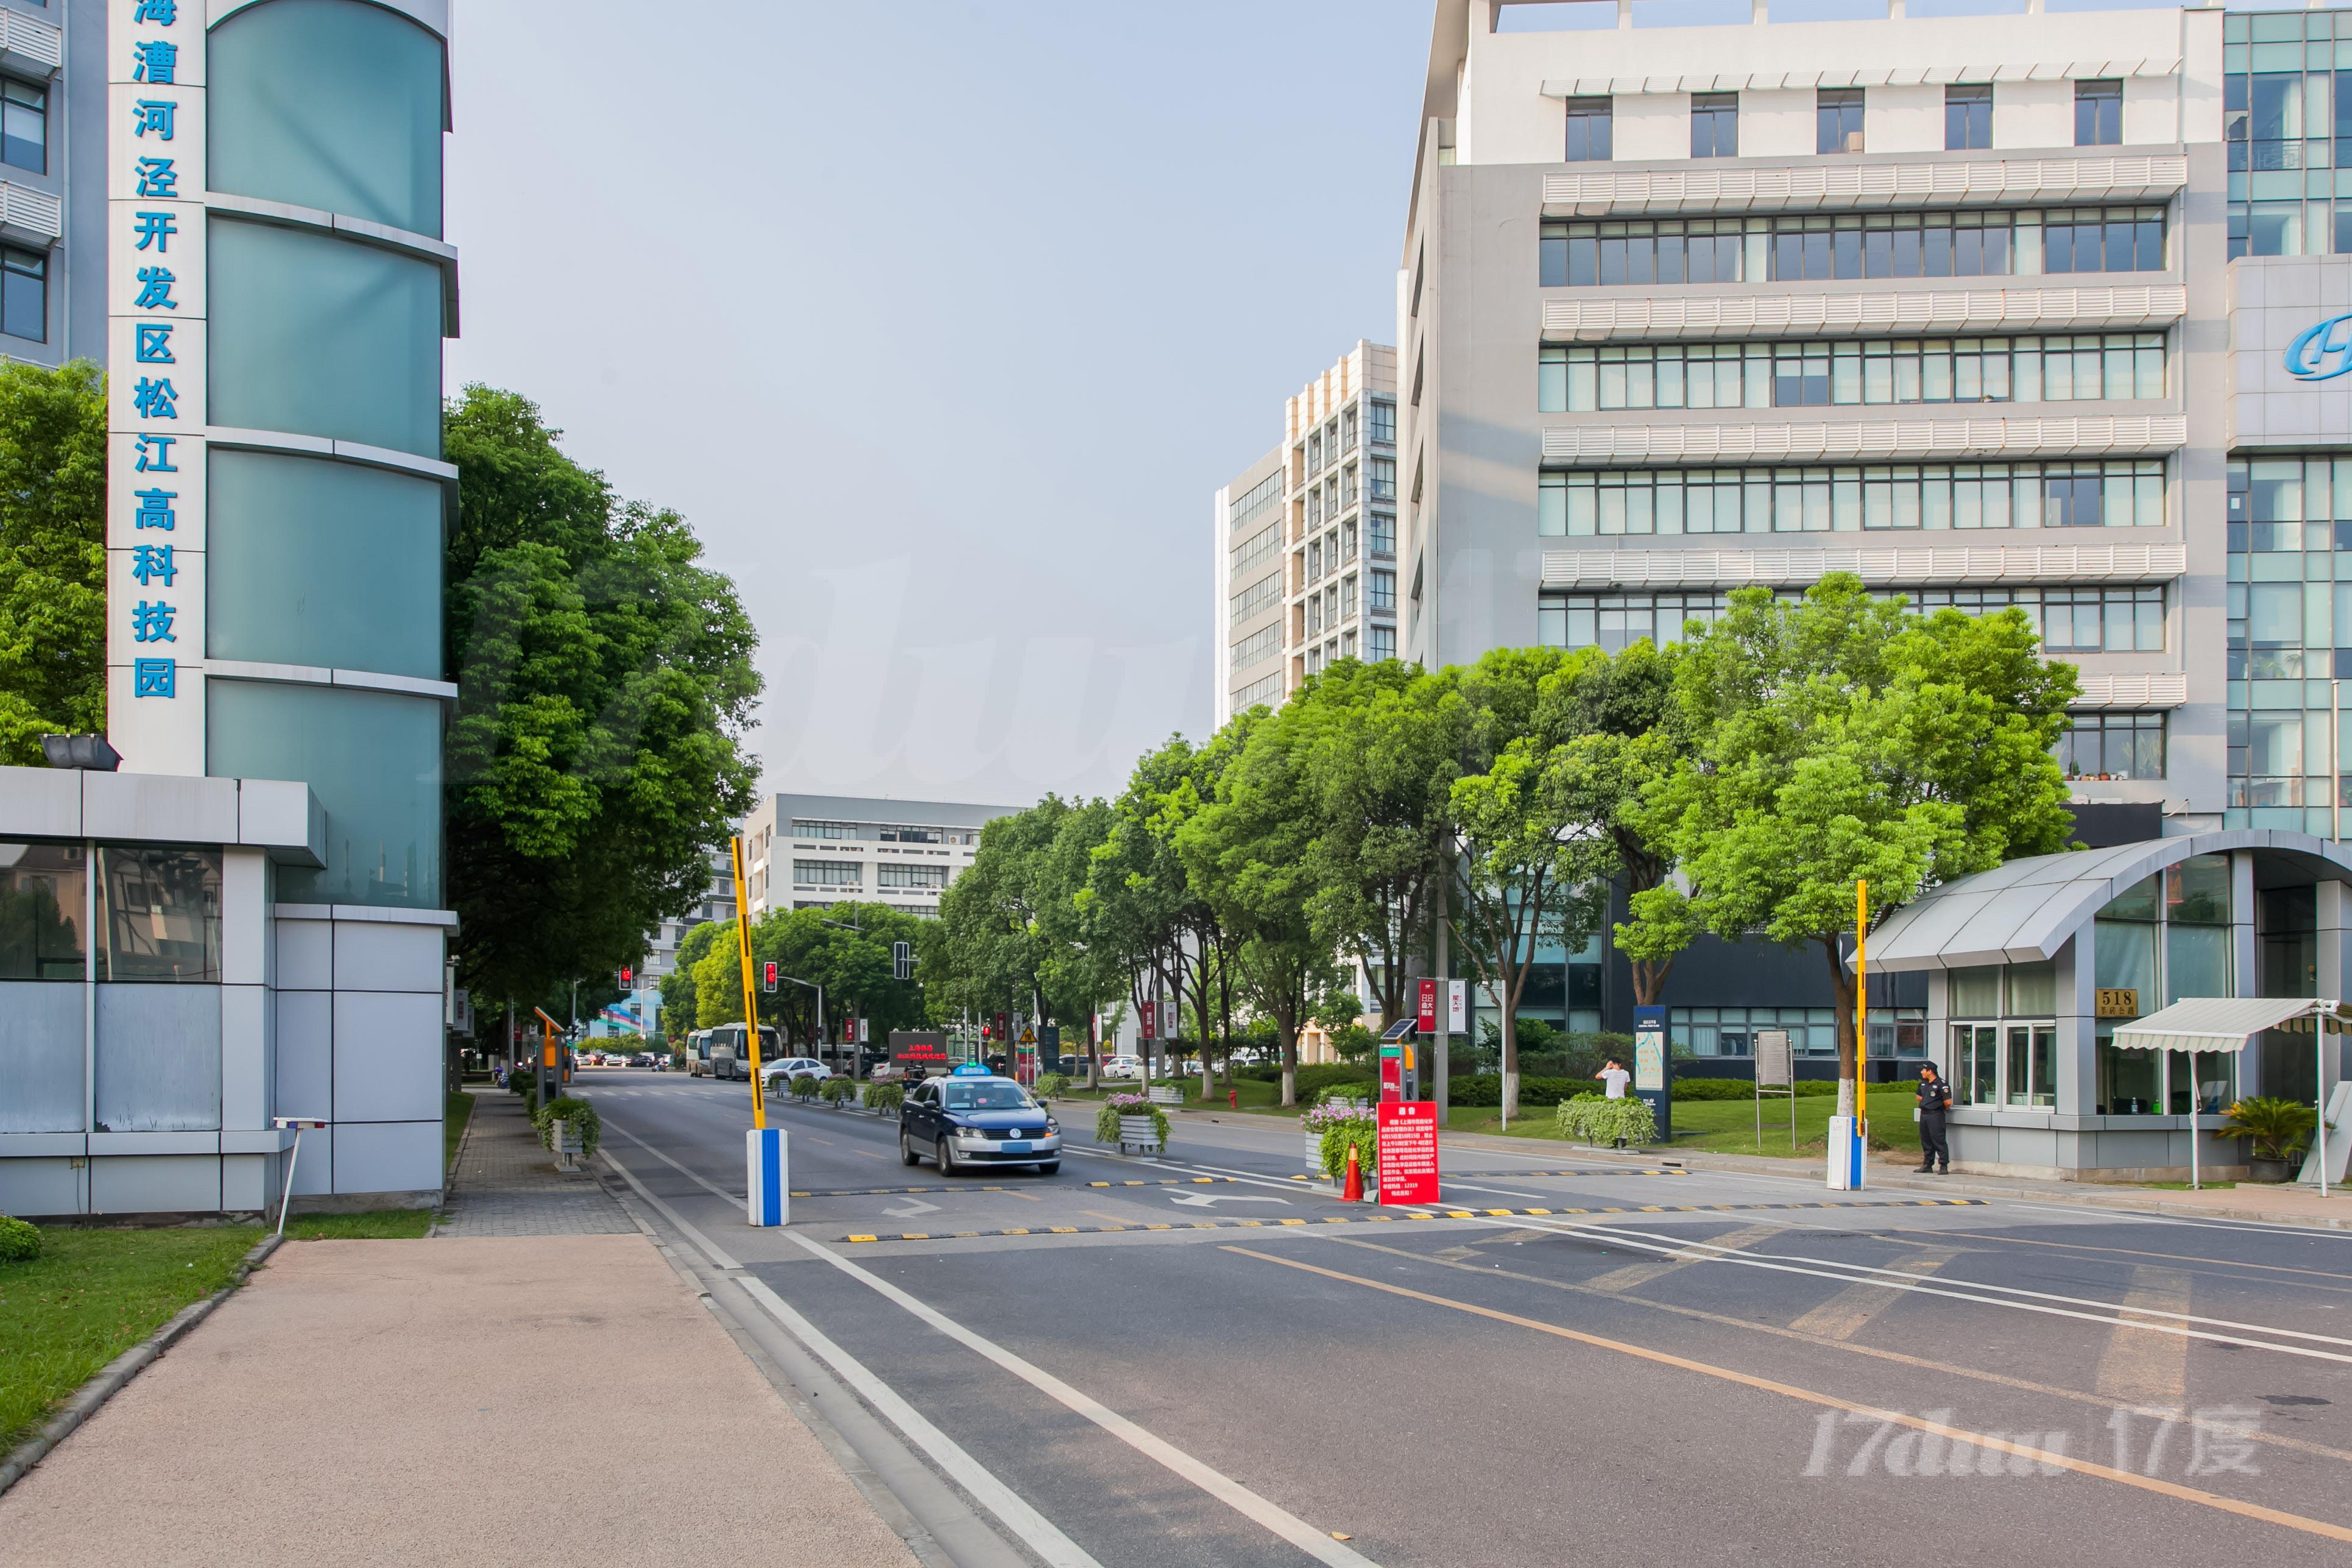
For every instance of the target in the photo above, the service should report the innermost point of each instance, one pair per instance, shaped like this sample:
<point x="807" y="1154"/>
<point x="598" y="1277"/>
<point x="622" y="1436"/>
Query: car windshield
<point x="987" y="1096"/>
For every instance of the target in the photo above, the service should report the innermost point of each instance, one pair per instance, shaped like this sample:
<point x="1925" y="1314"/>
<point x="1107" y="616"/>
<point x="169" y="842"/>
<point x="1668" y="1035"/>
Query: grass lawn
<point x="1717" y="1126"/>
<point x="454" y="1113"/>
<point x="375" y="1225"/>
<point x="91" y="1295"/>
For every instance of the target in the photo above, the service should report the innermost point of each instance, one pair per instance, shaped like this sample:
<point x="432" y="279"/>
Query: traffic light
<point x="767" y="975"/>
<point x="902" y="961"/>
<point x="627" y="978"/>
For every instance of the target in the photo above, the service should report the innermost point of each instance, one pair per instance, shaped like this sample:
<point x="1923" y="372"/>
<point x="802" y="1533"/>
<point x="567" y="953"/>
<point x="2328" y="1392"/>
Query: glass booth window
<point x="160" y="909"/>
<point x="1975" y="993"/>
<point x="41" y="898"/>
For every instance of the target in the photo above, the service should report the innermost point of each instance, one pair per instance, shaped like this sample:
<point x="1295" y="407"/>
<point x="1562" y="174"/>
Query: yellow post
<point x="751" y="1003"/>
<point x="1861" y="1008"/>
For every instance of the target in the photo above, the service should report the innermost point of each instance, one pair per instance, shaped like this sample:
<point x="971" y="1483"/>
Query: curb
<point x="118" y="1373"/>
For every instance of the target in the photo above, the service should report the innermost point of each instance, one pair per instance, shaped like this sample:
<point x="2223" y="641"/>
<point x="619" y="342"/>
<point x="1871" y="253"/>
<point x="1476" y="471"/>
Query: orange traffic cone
<point x="1352" y="1190"/>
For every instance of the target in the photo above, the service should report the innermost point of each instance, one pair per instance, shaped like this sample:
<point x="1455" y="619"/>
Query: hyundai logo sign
<point x="2322" y="352"/>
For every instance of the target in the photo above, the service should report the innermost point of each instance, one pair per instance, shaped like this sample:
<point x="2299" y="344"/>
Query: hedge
<point x="1744" y="1089"/>
<point x="20" y="1241"/>
<point x="1314" y="1080"/>
<point x="1486" y="1089"/>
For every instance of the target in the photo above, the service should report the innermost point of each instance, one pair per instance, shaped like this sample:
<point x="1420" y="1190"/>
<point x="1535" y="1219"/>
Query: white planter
<point x="1166" y="1094"/>
<point x="1313" y="1153"/>
<point x="1138" y="1134"/>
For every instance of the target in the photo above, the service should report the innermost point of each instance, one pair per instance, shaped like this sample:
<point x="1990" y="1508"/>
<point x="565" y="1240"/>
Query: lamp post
<point x="820" y="1004"/>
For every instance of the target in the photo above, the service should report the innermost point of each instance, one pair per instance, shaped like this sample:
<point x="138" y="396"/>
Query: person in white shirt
<point x="1616" y="1078"/>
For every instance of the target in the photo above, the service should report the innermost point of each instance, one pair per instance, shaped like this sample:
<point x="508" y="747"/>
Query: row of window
<point x="2283" y="631"/>
<point x="1256" y="647"/>
<point x="2109" y="366"/>
<point x="2284" y="101"/>
<point x="1812" y="1031"/>
<point x="1266" y="689"/>
<point x="1791" y="247"/>
<point x="1337" y="493"/>
<point x="1838" y="121"/>
<point x="1379" y="643"/>
<point x="1255" y="503"/>
<point x="1258" y="597"/>
<point x="2069" y="620"/>
<point x="2126" y="493"/>
<point x="1337" y="438"/>
<point x="158" y="913"/>
<point x="886" y="833"/>
<point x="1259" y="547"/>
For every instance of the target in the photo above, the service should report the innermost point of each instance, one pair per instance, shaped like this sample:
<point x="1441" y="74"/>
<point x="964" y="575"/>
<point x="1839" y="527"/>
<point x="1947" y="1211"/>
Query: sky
<point x="943" y="322"/>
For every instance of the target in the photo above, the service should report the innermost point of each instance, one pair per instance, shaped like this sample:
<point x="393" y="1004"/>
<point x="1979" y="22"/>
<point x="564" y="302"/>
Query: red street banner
<point x="1409" y="1151"/>
<point x="1429" y="1009"/>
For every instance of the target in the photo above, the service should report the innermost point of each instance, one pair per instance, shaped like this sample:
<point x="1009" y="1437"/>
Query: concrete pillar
<point x="1624" y="16"/>
<point x="2246" y="969"/>
<point x="2078" y="1028"/>
<point x="2335" y="915"/>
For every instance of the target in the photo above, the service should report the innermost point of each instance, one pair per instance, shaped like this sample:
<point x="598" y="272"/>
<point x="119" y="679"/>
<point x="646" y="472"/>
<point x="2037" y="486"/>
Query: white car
<point x="779" y="1074"/>
<point x="1122" y="1067"/>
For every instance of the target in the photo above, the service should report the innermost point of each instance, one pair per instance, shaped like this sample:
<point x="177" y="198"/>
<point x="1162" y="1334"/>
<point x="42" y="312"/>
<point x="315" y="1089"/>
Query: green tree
<point x="1623" y="729"/>
<point x="1526" y="878"/>
<point x="679" y="1002"/>
<point x="1847" y="740"/>
<point x="594" y="760"/>
<point x="52" y="555"/>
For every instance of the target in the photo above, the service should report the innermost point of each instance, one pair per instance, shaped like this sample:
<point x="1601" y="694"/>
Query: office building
<point x="2040" y="309"/>
<point x="53" y="106"/>
<point x="811" y="851"/>
<point x="717" y="903"/>
<point x="1306" y="538"/>
<point x="246" y="922"/>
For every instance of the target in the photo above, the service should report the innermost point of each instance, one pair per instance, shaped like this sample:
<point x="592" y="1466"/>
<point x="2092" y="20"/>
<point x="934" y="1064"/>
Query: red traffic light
<point x="768" y="975"/>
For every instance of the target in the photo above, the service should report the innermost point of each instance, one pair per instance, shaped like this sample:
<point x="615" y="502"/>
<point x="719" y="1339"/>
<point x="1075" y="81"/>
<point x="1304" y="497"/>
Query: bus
<point x="726" y="1053"/>
<point x="698" y="1052"/>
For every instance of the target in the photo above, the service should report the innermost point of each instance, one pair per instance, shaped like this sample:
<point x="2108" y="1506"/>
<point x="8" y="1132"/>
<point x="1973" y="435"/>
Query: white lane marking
<point x="711" y="1187"/>
<point x="1036" y="1531"/>
<point x="910" y="1208"/>
<point x="1628" y="1239"/>
<point x="1315" y="1542"/>
<point x="1202" y="1200"/>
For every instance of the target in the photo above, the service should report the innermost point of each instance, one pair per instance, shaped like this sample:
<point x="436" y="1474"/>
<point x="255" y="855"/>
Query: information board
<point x="919" y="1050"/>
<point x="1650" y="1054"/>
<point x="1408" y="1151"/>
<point x="1775" y="1064"/>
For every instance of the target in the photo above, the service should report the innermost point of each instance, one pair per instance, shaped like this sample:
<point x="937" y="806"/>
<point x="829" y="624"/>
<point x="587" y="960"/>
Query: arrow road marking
<point x="1202" y="1200"/>
<point x="910" y="1208"/>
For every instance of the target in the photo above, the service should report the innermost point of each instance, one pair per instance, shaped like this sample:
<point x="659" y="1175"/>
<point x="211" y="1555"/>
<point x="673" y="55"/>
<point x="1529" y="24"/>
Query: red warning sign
<point x="1409" y="1151"/>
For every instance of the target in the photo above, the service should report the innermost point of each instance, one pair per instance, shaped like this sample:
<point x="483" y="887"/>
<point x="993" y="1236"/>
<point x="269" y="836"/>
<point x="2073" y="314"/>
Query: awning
<point x="2216" y="1023"/>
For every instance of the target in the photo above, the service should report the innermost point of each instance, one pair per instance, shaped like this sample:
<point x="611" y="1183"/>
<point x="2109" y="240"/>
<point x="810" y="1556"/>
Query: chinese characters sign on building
<point x="155" y="528"/>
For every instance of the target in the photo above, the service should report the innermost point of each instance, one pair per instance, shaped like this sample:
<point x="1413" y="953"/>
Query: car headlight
<point x="1052" y="1125"/>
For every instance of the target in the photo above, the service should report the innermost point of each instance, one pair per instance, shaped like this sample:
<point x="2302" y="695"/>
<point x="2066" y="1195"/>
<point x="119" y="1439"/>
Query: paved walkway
<point x="553" y="1400"/>
<point x="506" y="1185"/>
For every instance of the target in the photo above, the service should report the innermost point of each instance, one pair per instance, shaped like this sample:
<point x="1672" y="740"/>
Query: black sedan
<point x="968" y="1118"/>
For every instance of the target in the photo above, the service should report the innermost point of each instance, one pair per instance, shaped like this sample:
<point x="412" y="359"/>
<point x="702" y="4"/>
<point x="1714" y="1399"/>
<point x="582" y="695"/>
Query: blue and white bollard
<point x="1847" y="1142"/>
<point x="769" y="1176"/>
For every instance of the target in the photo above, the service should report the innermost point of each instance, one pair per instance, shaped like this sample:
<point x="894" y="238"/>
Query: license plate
<point x="1020" y="1148"/>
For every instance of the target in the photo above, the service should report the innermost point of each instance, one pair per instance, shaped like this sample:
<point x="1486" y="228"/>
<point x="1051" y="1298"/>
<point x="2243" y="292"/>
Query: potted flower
<point x="2279" y="1129"/>
<point x="1318" y="1120"/>
<point x="1340" y="1130"/>
<point x="1131" y="1121"/>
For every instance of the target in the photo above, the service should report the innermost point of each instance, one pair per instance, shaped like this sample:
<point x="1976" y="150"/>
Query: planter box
<point x="1137" y="1135"/>
<point x="1314" y="1154"/>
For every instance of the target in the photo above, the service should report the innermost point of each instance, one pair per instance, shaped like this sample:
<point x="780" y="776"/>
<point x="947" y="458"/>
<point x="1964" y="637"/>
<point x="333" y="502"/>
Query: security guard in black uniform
<point x="1934" y="1099"/>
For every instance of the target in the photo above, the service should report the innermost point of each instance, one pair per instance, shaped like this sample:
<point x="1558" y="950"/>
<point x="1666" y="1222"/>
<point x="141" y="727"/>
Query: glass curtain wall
<point x="2286" y="120"/>
<point x="2165" y="938"/>
<point x="2290" y="606"/>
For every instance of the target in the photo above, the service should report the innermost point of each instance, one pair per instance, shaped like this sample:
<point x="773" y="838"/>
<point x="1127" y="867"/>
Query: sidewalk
<point x="2283" y="1205"/>
<point x="552" y="1399"/>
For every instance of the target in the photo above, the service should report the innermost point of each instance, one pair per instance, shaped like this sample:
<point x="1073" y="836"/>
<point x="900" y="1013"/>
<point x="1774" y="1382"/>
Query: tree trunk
<point x="1649" y="980"/>
<point x="1510" y="1059"/>
<point x="1841" y="987"/>
<point x="1289" y="1038"/>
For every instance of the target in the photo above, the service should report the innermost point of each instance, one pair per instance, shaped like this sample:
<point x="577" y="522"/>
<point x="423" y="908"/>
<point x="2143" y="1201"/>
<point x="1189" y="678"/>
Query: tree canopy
<point x="52" y="555"/>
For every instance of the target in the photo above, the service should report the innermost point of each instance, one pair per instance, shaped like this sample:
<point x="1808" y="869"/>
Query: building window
<point x="2099" y="113"/>
<point x="1812" y="1031"/>
<point x="2113" y="746"/>
<point x="1257" y="648"/>
<point x="1348" y="430"/>
<point x="909" y="835"/>
<point x="2289" y="628"/>
<point x="1315" y="507"/>
<point x="24" y="125"/>
<point x="1348" y="486"/>
<point x="1315" y="561"/>
<point x="41" y="922"/>
<point x="1348" y="596"/>
<point x="1347" y="541"/>
<point x="2119" y="366"/>
<point x="1381" y="421"/>
<point x="1255" y="597"/>
<point x="1383" y="478"/>
<point x="1379" y="643"/>
<point x="1967" y="116"/>
<point x="2119" y="493"/>
<point x="1331" y="497"/>
<point x="2103" y="239"/>
<point x="1615" y="621"/>
<point x="890" y="877"/>
<point x="1261" y="690"/>
<point x="827" y="873"/>
<point x="2103" y="620"/>
<point x="1837" y="120"/>
<point x="805" y="829"/>
<point x="1380" y="592"/>
<point x="160" y="910"/>
<point x="1251" y="552"/>
<point x="1315" y="453"/>
<point x="1380" y="536"/>
<point x="25" y="295"/>
<point x="1794" y="247"/>
<point x="1714" y="125"/>
<point x="1588" y="131"/>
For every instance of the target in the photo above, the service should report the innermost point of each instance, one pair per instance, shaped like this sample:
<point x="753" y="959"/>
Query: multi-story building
<point x="717" y="903"/>
<point x="809" y="852"/>
<point x="2030" y="309"/>
<point x="1306" y="538"/>
<point x="53" y="146"/>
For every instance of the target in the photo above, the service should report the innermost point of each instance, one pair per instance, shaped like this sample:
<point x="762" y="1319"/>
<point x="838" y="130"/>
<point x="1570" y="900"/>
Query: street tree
<point x="596" y="757"/>
<point x="1527" y="875"/>
<point x="1846" y="739"/>
<point x="52" y="555"/>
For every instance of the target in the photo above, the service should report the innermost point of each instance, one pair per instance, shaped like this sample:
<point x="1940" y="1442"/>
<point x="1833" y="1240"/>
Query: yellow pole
<point x="1861" y="1008"/>
<point x="751" y="1005"/>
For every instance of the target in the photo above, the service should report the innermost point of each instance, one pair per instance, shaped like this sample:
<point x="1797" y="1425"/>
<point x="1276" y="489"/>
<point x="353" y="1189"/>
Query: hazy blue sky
<point x="943" y="322"/>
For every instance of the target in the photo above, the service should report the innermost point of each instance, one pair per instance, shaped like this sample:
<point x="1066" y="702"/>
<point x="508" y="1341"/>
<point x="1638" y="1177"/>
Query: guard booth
<point x="2040" y="971"/>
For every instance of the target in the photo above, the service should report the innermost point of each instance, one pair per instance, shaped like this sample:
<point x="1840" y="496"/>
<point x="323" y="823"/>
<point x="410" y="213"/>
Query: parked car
<point x="1122" y="1067"/>
<point x="778" y="1075"/>
<point x="977" y="1118"/>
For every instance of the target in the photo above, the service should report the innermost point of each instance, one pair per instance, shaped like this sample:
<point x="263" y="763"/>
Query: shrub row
<point x="1744" y="1089"/>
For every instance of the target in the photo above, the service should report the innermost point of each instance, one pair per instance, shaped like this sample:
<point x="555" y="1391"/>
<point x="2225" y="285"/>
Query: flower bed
<point x="1127" y="1104"/>
<point x="1339" y="1129"/>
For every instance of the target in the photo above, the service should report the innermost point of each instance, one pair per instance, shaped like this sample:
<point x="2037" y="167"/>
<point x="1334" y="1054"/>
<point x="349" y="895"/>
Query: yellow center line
<point x="2244" y="1509"/>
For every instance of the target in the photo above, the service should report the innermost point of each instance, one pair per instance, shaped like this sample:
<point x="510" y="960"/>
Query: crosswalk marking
<point x="1634" y="1274"/>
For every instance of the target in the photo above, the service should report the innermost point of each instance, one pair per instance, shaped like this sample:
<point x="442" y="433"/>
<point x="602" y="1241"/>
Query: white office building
<point x="812" y="851"/>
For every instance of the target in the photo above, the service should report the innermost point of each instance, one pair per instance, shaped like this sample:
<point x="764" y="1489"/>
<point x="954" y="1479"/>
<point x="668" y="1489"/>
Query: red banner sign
<point x="1409" y="1151"/>
<point x="1429" y="1008"/>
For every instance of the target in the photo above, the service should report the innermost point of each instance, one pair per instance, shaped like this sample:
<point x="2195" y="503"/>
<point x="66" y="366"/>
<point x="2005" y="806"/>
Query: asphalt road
<point x="1224" y="1365"/>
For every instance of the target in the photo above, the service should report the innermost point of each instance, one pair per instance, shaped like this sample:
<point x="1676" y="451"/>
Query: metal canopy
<point x="2215" y="1023"/>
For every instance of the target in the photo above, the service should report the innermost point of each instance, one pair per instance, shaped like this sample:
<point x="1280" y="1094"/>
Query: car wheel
<point x="1050" y="1168"/>
<point x="946" y="1157"/>
<point x="906" y="1151"/>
